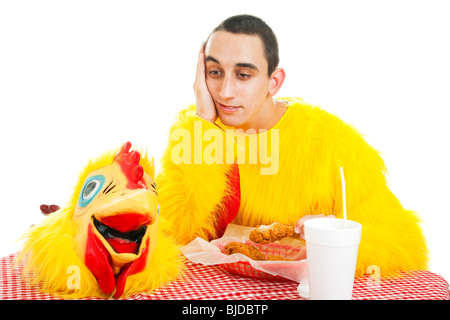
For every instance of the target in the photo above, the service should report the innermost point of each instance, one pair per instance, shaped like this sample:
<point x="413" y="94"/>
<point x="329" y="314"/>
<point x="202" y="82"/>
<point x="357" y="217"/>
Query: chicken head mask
<point x="110" y="230"/>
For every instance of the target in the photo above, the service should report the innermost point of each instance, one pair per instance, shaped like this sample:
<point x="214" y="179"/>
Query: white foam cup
<point x="331" y="249"/>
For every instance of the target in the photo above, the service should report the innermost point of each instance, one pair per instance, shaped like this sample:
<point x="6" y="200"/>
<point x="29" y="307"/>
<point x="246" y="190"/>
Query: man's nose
<point x="228" y="88"/>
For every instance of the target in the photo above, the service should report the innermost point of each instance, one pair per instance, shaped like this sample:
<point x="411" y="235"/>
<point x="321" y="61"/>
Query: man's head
<point x="251" y="25"/>
<point x="241" y="58"/>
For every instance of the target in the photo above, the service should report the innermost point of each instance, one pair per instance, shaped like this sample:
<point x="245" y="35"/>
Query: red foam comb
<point x="129" y="163"/>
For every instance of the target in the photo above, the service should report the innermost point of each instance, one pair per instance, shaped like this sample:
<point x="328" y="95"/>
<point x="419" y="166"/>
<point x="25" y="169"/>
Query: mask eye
<point x="90" y="189"/>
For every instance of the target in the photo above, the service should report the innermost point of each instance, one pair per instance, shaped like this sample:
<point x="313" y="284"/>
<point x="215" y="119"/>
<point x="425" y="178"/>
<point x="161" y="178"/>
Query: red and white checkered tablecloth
<point x="216" y="283"/>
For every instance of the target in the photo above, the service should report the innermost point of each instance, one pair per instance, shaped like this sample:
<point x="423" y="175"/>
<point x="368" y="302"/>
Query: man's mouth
<point x="121" y="242"/>
<point x="228" y="108"/>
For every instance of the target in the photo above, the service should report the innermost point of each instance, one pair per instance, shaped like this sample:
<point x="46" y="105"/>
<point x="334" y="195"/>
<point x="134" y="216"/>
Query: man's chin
<point x="230" y="120"/>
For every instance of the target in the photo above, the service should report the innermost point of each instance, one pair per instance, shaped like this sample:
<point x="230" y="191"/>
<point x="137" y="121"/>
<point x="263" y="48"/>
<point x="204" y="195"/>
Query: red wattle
<point x="131" y="268"/>
<point x="98" y="260"/>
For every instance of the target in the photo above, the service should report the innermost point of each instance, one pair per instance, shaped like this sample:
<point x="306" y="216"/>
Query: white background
<point x="81" y="77"/>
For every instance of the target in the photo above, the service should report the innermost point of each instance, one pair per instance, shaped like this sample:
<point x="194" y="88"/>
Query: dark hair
<point x="251" y="25"/>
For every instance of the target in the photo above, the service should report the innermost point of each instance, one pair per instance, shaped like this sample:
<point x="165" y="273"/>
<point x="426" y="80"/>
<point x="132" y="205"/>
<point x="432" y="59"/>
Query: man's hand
<point x="300" y="223"/>
<point x="205" y="103"/>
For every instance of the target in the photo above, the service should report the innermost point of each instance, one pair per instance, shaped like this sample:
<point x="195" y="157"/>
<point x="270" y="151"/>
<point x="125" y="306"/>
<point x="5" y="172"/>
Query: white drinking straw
<point x="344" y="202"/>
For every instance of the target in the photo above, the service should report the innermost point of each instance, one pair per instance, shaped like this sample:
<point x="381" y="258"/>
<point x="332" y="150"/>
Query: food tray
<point x="244" y="268"/>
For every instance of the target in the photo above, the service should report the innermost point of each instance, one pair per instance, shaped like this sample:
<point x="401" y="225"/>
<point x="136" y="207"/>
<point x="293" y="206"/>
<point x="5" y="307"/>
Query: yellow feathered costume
<point x="303" y="180"/>
<point x="108" y="240"/>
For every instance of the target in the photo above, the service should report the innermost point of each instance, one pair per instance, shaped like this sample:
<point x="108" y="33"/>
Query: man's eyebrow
<point x="239" y="65"/>
<point x="247" y="65"/>
<point x="209" y="58"/>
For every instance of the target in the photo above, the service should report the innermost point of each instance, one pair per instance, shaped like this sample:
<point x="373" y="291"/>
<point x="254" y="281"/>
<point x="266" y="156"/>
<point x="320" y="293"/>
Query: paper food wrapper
<point x="209" y="253"/>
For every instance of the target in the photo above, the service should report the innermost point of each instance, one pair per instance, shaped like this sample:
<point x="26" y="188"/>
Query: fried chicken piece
<point x="250" y="251"/>
<point x="245" y="249"/>
<point x="276" y="231"/>
<point x="278" y="258"/>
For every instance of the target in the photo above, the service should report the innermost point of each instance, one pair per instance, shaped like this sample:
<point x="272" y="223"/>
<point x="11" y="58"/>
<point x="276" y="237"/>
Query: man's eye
<point x="243" y="76"/>
<point x="214" y="73"/>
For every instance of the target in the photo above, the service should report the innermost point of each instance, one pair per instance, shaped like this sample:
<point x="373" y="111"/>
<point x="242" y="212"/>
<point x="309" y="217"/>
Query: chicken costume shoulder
<point x="303" y="180"/>
<point x="108" y="240"/>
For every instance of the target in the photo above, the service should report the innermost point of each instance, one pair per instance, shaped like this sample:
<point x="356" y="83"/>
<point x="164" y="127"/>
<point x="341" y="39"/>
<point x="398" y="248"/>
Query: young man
<point x="217" y="167"/>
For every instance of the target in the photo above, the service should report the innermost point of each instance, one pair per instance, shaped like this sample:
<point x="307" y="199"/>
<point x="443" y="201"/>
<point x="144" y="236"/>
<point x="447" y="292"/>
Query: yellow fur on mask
<point x="52" y="263"/>
<point x="313" y="144"/>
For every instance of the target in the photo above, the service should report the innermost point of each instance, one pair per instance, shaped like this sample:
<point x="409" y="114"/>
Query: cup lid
<point x="332" y="232"/>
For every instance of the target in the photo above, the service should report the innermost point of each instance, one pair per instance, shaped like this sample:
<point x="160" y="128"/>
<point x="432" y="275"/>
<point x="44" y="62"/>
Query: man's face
<point x="236" y="76"/>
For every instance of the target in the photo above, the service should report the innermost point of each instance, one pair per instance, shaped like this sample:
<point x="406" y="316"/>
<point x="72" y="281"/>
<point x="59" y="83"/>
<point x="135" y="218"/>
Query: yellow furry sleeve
<point x="190" y="184"/>
<point x="391" y="237"/>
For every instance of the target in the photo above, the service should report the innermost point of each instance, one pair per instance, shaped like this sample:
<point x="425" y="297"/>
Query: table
<point x="216" y="283"/>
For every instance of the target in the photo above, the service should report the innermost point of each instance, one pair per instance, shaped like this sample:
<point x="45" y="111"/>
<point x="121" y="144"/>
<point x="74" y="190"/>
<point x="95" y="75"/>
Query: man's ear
<point x="276" y="81"/>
